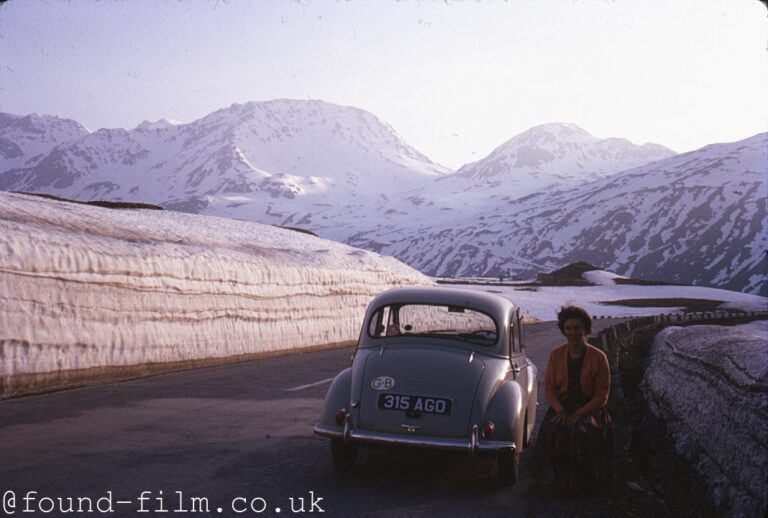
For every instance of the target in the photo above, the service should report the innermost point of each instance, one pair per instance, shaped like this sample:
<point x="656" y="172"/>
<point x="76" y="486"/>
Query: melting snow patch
<point x="601" y="277"/>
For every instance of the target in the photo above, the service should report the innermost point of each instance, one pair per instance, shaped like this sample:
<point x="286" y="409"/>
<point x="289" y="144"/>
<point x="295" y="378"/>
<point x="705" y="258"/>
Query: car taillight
<point x="340" y="416"/>
<point x="488" y="429"/>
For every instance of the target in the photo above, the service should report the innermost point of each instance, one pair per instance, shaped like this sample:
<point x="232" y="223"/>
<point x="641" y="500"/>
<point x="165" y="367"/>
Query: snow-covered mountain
<point x="25" y="141"/>
<point x="274" y="162"/>
<point x="556" y="154"/>
<point x="546" y="157"/>
<point x="550" y="196"/>
<point x="337" y="170"/>
<point x="695" y="218"/>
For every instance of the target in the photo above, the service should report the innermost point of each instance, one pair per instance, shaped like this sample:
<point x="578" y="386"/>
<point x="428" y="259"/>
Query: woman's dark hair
<point x="569" y="312"/>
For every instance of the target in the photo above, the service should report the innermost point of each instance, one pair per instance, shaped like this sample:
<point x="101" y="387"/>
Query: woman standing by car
<point x="576" y="436"/>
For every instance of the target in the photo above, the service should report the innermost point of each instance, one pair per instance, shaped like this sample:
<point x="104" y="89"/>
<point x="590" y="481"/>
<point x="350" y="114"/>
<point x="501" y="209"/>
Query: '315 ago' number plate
<point x="415" y="404"/>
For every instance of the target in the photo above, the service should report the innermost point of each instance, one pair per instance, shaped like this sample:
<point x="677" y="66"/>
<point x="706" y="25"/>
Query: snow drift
<point x="89" y="292"/>
<point x="709" y="384"/>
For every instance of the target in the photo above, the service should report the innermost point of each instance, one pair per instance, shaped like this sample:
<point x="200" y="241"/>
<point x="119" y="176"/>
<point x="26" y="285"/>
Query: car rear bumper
<point x="473" y="445"/>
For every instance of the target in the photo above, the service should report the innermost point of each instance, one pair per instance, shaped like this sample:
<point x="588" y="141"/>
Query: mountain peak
<point x="549" y="134"/>
<point x="35" y="123"/>
<point x="287" y="135"/>
<point x="556" y="153"/>
<point x="557" y="128"/>
<point x="160" y="124"/>
<point x="26" y="139"/>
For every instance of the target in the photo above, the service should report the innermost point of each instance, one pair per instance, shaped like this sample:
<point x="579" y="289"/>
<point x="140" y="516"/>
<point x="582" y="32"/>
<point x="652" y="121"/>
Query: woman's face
<point x="574" y="331"/>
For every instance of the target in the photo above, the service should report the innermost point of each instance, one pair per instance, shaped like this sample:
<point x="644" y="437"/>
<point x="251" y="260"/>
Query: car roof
<point x="481" y="300"/>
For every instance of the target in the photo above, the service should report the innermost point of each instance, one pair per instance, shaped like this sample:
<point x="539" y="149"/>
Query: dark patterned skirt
<point x="581" y="454"/>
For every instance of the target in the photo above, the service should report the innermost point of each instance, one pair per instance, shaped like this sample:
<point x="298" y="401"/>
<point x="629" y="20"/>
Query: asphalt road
<point x="240" y="437"/>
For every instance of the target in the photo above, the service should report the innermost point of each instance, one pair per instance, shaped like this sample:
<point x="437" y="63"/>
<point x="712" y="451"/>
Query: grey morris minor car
<point x="436" y="368"/>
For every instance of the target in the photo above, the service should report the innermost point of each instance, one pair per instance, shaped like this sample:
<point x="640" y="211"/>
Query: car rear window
<point x="433" y="321"/>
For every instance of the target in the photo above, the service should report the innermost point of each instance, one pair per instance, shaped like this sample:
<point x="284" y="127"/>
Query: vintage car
<point x="436" y="368"/>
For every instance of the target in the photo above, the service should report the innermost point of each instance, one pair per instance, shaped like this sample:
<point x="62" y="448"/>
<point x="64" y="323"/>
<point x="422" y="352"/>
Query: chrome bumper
<point x="472" y="446"/>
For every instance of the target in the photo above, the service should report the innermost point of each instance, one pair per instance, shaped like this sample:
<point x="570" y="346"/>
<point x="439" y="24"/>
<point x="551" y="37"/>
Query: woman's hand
<point x="571" y="419"/>
<point x="560" y="417"/>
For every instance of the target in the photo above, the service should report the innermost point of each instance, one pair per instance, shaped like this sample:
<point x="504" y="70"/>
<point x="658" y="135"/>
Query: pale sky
<point x="454" y="78"/>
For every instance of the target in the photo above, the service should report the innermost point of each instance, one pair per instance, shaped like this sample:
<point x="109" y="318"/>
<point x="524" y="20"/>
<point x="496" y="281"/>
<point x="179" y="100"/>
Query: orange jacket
<point x="595" y="378"/>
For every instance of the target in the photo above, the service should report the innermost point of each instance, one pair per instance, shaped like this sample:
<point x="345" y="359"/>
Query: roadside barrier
<point x="610" y="336"/>
<point x="690" y="316"/>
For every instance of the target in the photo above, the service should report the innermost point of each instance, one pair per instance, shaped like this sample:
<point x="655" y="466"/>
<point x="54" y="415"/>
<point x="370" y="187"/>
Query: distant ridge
<point x="550" y="196"/>
<point x="95" y="203"/>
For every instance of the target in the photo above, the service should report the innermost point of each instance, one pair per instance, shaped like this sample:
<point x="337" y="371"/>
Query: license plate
<point x="414" y="405"/>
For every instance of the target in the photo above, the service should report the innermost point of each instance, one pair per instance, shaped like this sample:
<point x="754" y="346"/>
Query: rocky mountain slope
<point x="271" y="161"/>
<point x="548" y="197"/>
<point x="543" y="158"/>
<point x="695" y="218"/>
<point x="26" y="141"/>
<point x="555" y="154"/>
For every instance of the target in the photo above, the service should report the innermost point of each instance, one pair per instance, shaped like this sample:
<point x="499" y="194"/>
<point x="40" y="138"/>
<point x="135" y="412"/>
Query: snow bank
<point x="601" y="277"/>
<point x="709" y="384"/>
<point x="84" y="287"/>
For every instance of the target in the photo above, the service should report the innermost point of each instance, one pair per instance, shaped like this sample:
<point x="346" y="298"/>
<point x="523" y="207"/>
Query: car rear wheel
<point x="343" y="455"/>
<point x="508" y="467"/>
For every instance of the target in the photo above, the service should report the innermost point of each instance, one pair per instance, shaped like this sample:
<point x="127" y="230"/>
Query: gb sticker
<point x="383" y="383"/>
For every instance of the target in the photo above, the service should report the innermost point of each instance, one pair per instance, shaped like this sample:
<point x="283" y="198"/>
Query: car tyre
<point x="508" y="467"/>
<point x="343" y="455"/>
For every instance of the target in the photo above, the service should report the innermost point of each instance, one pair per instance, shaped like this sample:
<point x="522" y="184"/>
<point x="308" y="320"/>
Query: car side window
<point x="516" y="339"/>
<point x="512" y="341"/>
<point x="380" y="321"/>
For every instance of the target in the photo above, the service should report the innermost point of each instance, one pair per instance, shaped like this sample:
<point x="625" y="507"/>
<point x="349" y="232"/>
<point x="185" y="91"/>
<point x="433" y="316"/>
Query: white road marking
<point x="302" y="387"/>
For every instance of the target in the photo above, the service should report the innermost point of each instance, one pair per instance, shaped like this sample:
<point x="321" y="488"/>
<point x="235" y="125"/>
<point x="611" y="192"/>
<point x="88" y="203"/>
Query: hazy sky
<point x="455" y="79"/>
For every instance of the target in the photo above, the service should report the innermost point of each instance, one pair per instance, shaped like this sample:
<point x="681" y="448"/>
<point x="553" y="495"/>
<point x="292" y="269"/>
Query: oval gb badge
<point x="383" y="383"/>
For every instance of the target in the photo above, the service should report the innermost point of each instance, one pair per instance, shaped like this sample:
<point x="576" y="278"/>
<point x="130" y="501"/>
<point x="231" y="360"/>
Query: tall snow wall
<point x="89" y="293"/>
<point x="709" y="385"/>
